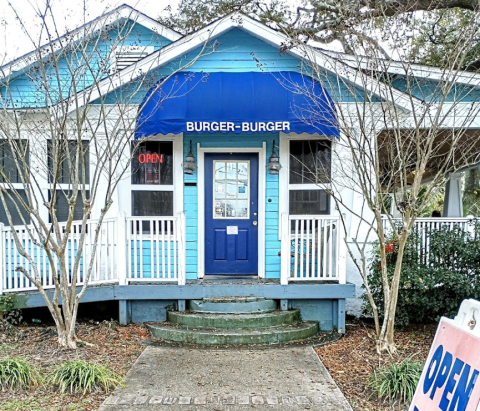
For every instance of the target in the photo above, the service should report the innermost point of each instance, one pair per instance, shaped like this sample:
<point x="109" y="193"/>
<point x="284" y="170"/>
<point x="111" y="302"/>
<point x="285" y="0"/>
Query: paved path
<point x="172" y="378"/>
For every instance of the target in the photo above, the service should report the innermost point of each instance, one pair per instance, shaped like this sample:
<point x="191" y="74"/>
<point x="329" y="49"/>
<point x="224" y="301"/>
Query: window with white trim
<point x="309" y="174"/>
<point x="152" y="180"/>
<point x="127" y="55"/>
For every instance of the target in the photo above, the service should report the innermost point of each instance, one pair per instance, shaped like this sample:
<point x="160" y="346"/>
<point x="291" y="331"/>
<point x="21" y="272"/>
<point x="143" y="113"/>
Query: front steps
<point x="234" y="321"/>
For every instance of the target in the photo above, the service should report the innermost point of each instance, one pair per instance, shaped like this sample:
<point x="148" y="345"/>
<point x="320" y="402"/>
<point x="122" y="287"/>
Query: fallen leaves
<point x="117" y="347"/>
<point x="352" y="359"/>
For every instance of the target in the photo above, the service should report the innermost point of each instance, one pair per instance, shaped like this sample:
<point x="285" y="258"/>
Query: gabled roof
<point x="237" y="20"/>
<point x="408" y="69"/>
<point x="87" y="30"/>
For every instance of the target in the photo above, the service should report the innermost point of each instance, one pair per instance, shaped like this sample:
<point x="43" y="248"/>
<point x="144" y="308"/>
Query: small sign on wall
<point x="232" y="229"/>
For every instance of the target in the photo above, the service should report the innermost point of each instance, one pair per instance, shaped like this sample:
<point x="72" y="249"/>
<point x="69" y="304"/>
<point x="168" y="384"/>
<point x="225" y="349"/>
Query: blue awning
<point x="237" y="103"/>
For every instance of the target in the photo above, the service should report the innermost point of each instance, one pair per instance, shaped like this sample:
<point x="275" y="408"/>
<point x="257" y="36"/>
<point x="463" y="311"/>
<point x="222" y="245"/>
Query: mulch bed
<point x="109" y="344"/>
<point x="352" y="359"/>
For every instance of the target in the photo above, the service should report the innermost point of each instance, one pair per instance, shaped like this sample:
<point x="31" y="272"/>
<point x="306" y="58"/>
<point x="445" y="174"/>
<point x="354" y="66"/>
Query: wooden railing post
<point x="122" y="248"/>
<point x="285" y="250"/>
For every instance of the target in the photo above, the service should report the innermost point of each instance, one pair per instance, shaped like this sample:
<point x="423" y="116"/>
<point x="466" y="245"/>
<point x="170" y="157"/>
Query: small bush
<point x="81" y="376"/>
<point x="396" y="382"/>
<point x="16" y="373"/>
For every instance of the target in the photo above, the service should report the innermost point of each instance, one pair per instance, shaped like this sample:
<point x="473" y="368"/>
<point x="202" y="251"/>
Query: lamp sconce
<point x="274" y="165"/>
<point x="189" y="166"/>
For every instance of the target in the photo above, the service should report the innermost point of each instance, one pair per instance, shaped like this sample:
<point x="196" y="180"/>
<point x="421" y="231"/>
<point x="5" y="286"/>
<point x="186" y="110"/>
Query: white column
<point x="452" y="206"/>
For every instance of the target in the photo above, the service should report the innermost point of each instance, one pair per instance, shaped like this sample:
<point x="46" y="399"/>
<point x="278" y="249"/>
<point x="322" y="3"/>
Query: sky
<point x="69" y="14"/>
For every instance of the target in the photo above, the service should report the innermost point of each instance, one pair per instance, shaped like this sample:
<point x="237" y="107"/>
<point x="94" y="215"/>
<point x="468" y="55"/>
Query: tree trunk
<point x="66" y="339"/>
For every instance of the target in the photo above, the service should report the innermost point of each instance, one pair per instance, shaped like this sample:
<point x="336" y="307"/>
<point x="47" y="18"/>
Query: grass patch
<point x="7" y="347"/>
<point x="16" y="373"/>
<point x="398" y="381"/>
<point x="81" y="376"/>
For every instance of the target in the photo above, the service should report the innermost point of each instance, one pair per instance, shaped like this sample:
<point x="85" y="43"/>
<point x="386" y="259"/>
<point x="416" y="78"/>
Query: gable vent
<point x="128" y="55"/>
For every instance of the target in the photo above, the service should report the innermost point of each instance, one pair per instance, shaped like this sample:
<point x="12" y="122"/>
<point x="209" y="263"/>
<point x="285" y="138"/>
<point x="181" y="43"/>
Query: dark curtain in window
<point x="7" y="160"/>
<point x="13" y="210"/>
<point x="310" y="161"/>
<point x="152" y="203"/>
<point x="152" y="163"/>
<point x="66" y="154"/>
<point x="311" y="202"/>
<point x="62" y="207"/>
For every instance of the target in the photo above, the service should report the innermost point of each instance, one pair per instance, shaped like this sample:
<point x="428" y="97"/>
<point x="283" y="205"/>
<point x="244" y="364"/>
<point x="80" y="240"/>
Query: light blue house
<point x="227" y="193"/>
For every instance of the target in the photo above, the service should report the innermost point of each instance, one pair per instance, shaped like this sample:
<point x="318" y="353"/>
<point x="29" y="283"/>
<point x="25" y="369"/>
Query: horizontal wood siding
<point x="238" y="51"/>
<point x="272" y="263"/>
<point x="428" y="90"/>
<point x="27" y="91"/>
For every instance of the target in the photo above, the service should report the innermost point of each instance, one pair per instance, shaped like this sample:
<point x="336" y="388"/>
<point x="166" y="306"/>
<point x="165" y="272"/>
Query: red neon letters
<point x="150" y="158"/>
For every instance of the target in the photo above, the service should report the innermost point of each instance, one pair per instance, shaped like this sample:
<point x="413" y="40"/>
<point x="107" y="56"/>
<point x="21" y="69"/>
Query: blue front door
<point x="231" y="214"/>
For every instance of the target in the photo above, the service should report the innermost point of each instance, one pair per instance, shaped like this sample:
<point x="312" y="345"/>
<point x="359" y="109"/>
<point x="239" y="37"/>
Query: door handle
<point x="255" y="223"/>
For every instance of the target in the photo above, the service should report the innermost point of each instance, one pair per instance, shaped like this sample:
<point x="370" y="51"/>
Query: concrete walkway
<point x="172" y="378"/>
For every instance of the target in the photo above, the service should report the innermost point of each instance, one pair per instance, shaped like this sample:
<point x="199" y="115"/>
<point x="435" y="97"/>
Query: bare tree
<point x="404" y="130"/>
<point x="67" y="137"/>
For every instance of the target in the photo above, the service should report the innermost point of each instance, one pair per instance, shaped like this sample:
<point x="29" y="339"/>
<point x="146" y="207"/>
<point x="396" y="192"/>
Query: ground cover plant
<point x="84" y="377"/>
<point x="17" y="373"/>
<point x="396" y="382"/>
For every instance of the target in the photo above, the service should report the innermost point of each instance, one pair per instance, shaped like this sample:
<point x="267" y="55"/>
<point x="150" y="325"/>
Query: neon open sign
<point x="150" y="158"/>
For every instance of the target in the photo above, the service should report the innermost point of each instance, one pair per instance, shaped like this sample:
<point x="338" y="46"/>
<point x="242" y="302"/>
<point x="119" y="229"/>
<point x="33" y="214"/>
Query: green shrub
<point x="433" y="281"/>
<point x="16" y="373"/>
<point x="7" y="307"/>
<point x="81" y="376"/>
<point x="396" y="382"/>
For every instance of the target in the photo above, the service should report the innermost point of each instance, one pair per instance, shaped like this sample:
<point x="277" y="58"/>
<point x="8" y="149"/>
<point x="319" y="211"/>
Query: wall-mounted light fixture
<point x="274" y="165"/>
<point x="189" y="166"/>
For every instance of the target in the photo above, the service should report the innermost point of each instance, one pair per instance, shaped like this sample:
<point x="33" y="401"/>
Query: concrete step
<point x="256" y="320"/>
<point x="271" y="335"/>
<point x="232" y="305"/>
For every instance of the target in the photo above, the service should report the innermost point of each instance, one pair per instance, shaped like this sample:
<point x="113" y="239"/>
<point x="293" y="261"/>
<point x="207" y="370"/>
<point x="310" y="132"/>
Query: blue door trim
<point x="231" y="251"/>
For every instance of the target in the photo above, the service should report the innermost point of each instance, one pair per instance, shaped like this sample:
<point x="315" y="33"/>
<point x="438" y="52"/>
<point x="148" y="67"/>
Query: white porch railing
<point x="157" y="251"/>
<point x="424" y="227"/>
<point x="312" y="249"/>
<point x="435" y="223"/>
<point x="128" y="249"/>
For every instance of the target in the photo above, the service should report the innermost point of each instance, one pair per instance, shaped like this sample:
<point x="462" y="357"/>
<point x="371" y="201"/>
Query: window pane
<point x="13" y="210"/>
<point x="62" y="207"/>
<point x="153" y="163"/>
<point x="152" y="203"/>
<point x="309" y="202"/>
<point x="310" y="161"/>
<point x="65" y="152"/>
<point x="7" y="161"/>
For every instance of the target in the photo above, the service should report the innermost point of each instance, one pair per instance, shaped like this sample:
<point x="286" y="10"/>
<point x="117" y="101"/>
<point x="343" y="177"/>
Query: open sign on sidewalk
<point x="449" y="380"/>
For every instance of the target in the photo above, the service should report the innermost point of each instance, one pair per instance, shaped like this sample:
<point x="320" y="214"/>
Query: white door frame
<point x="261" y="202"/>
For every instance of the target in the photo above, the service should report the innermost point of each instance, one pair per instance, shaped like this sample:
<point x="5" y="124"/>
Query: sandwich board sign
<point x="450" y="377"/>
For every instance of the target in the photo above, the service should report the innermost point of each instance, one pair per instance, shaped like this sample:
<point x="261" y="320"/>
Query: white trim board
<point x="262" y="176"/>
<point x="87" y="30"/>
<point x="237" y="20"/>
